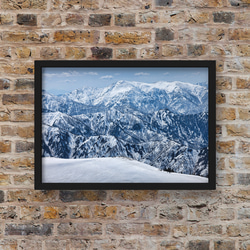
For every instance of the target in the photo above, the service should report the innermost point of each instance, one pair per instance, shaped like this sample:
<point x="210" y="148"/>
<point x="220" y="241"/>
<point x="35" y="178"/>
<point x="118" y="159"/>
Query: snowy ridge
<point x="109" y="170"/>
<point x="191" y="98"/>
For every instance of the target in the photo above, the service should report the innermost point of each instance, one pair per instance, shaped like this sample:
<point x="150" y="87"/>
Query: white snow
<point x="108" y="170"/>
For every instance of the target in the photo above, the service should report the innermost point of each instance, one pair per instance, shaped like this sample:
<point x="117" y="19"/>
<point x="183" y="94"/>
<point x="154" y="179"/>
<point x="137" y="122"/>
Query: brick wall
<point x="122" y="29"/>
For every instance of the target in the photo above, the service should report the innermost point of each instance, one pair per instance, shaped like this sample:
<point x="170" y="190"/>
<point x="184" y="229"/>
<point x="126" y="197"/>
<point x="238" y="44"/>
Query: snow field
<point x="109" y="170"/>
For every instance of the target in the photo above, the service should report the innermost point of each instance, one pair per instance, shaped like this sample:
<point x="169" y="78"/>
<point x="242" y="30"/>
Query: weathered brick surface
<point x="68" y="196"/>
<point x="221" y="50"/>
<point x="225" y="114"/>
<point x="24" y="36"/>
<point x="244" y="147"/>
<point x="239" y="34"/>
<point x="55" y="244"/>
<point x="172" y="50"/>
<point x="24" y="146"/>
<point x="80" y="212"/>
<point x="50" y="53"/>
<point x="8" y="212"/>
<point x="202" y="34"/>
<point x="163" y="2"/>
<point x="28" y="4"/>
<point x="101" y="53"/>
<point x="75" y="19"/>
<point x="18" y="69"/>
<point x="205" y="229"/>
<point x="125" y="20"/>
<point x="51" y="19"/>
<point x="17" y="164"/>
<point x="54" y="212"/>
<point x="26" y="179"/>
<point x="76" y="36"/>
<point x="4" y="180"/>
<point x="138" y="228"/>
<point x="164" y="34"/>
<point x="30" y="244"/>
<point x="23" y="115"/>
<point x="5" y="146"/>
<point x="133" y="195"/>
<point x="18" y="99"/>
<point x="75" y="53"/>
<point x="244" y="114"/>
<point x="174" y="213"/>
<point x="223" y="82"/>
<point x="31" y="196"/>
<point x="220" y="98"/>
<point x="6" y="19"/>
<point x="80" y="229"/>
<point x="8" y="244"/>
<point x="150" y="53"/>
<point x="226" y="147"/>
<point x="24" y="84"/>
<point x="149" y="17"/>
<point x="5" y="52"/>
<point x="25" y="132"/>
<point x="124" y="30"/>
<point x="126" y="4"/>
<point x="27" y="19"/>
<point x="238" y="130"/>
<point x="198" y="244"/>
<point x="223" y="245"/>
<point x="203" y="3"/>
<point x="98" y="20"/>
<point x="30" y="213"/>
<point x="24" y="52"/>
<point x="199" y="17"/>
<point x="133" y="37"/>
<point x="4" y="84"/>
<point x="196" y="50"/>
<point x="223" y="17"/>
<point x="241" y="99"/>
<point x="242" y="83"/>
<point x="126" y="53"/>
<point x="26" y="229"/>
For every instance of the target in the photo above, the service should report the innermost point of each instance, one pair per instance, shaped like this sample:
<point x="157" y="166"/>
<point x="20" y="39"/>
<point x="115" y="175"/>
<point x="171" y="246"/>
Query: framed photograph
<point x="124" y="125"/>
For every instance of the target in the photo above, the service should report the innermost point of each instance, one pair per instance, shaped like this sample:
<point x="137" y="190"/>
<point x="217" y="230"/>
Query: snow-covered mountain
<point x="164" y="124"/>
<point x="178" y="97"/>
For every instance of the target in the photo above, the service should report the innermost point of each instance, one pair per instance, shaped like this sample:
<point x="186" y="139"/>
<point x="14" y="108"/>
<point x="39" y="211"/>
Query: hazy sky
<point x="62" y="80"/>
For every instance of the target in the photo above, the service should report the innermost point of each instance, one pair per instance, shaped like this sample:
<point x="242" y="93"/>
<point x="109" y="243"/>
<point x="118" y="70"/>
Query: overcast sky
<point x="62" y="80"/>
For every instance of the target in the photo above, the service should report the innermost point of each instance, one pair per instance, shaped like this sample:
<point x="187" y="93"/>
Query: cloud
<point x="91" y="73"/>
<point x="166" y="73"/>
<point x="69" y="81"/>
<point x="106" y="77"/>
<point x="141" y="74"/>
<point x="70" y="74"/>
<point x="49" y="74"/>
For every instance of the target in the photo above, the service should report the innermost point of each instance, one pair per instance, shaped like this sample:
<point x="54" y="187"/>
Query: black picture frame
<point x="211" y="87"/>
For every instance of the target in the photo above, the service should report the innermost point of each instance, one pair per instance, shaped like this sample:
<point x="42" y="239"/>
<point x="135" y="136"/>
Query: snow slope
<point x="109" y="170"/>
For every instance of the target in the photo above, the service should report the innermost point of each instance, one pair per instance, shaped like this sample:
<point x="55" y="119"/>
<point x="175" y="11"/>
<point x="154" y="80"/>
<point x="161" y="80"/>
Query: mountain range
<point x="163" y="124"/>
